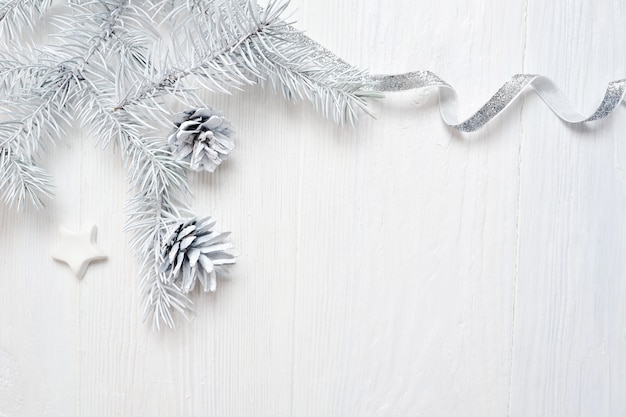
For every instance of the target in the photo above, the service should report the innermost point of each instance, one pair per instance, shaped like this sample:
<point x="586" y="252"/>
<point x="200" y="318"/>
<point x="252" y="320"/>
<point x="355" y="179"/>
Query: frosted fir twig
<point x="243" y="44"/>
<point x="158" y="179"/>
<point x="151" y="212"/>
<point x="18" y="14"/>
<point x="16" y="77"/>
<point x="41" y="110"/>
<point x="109" y="41"/>
<point x="45" y="96"/>
<point x="160" y="197"/>
<point x="302" y="69"/>
<point x="21" y="181"/>
<point x="40" y="122"/>
<point x="295" y="68"/>
<point x="44" y="92"/>
<point x="211" y="61"/>
<point x="21" y="141"/>
<point x="160" y="298"/>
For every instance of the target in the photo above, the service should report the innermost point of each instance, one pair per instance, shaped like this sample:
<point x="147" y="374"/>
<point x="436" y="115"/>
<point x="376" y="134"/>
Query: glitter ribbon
<point x="545" y="88"/>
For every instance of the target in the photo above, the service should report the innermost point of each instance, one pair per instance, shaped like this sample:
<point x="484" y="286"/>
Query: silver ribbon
<point x="507" y="94"/>
<point x="500" y="101"/>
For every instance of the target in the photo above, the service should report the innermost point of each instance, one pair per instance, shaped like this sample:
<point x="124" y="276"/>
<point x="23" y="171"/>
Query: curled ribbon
<point x="545" y="88"/>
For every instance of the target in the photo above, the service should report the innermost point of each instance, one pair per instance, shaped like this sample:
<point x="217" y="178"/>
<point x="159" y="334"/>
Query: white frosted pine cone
<point x="202" y="137"/>
<point x="194" y="252"/>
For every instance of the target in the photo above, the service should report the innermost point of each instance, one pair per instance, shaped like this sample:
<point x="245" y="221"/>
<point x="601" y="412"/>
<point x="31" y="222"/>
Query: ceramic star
<point x="77" y="250"/>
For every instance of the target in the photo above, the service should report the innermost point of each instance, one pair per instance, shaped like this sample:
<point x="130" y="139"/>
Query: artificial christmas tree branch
<point x="15" y="15"/>
<point x="111" y="69"/>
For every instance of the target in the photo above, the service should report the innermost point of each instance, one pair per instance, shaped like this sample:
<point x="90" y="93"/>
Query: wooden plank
<point x="571" y="300"/>
<point x="39" y="333"/>
<point x="39" y="300"/>
<point x="378" y="263"/>
<point x="406" y="239"/>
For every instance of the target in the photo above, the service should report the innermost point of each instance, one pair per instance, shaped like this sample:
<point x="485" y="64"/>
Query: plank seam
<point x="295" y="285"/>
<point x="517" y="220"/>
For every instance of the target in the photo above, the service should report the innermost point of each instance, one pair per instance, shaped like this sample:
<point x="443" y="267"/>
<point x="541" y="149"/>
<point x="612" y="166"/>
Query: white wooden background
<point x="393" y="269"/>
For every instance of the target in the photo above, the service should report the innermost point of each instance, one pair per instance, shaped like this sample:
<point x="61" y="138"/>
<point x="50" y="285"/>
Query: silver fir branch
<point x="237" y="43"/>
<point x="16" y="15"/>
<point x="111" y="71"/>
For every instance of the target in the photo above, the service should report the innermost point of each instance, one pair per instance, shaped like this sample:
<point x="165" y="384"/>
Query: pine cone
<point x="193" y="251"/>
<point x="201" y="137"/>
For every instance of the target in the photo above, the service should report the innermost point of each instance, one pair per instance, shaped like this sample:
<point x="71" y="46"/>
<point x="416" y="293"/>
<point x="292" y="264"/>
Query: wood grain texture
<point x="570" y="344"/>
<point x="407" y="242"/>
<point x="39" y="299"/>
<point x="392" y="269"/>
